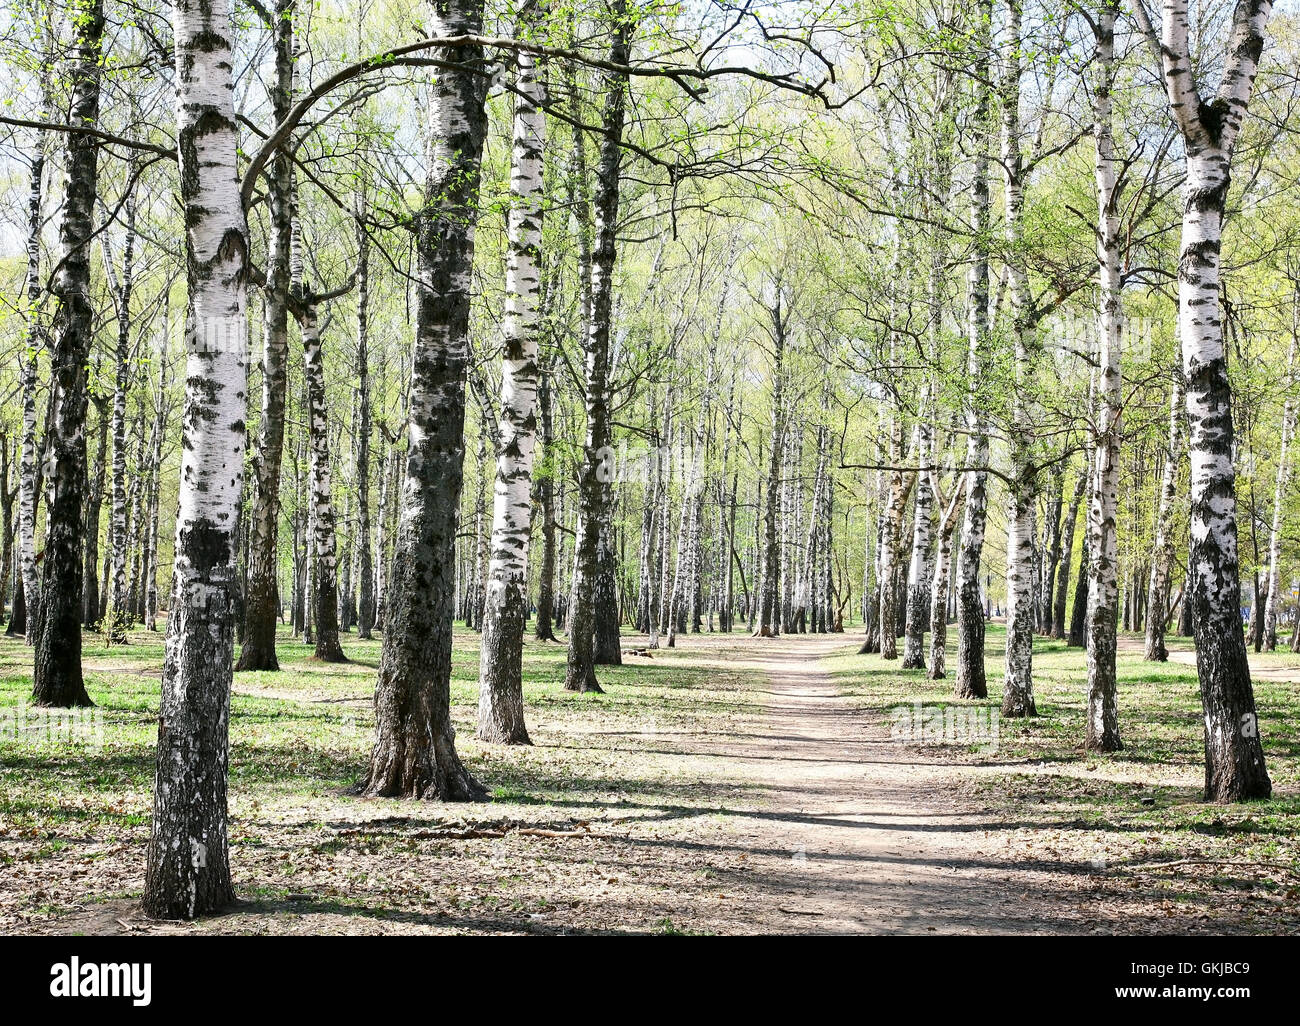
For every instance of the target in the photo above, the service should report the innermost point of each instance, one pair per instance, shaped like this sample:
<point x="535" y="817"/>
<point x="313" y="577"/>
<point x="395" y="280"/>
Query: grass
<point x="636" y="794"/>
<point x="75" y="811"/>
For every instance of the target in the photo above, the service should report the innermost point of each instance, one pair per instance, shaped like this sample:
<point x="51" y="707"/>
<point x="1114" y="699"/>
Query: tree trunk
<point x="90" y="610"/>
<point x="29" y="460"/>
<point x="1067" y="556"/>
<point x="189" y="869"/>
<point x="117" y="614"/>
<point x="324" y="528"/>
<point x="1053" y="528"/>
<point x="970" y="679"/>
<point x="155" y="493"/>
<point x="592" y="549"/>
<point x="501" y="689"/>
<point x="891" y="535"/>
<point x="7" y="497"/>
<point x="1234" y="756"/>
<point x="939" y="585"/>
<point x="1103" y="710"/>
<point x="1162" y="553"/>
<point x="1273" y="600"/>
<point x="1018" y="684"/>
<point x="921" y="569"/>
<point x="544" y="629"/>
<point x="415" y="751"/>
<point x="769" y="611"/>
<point x="57" y="677"/>
<point x="365" y="555"/>
<point x="262" y="601"/>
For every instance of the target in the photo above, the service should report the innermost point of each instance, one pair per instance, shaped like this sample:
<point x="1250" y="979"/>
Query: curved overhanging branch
<point x="690" y="79"/>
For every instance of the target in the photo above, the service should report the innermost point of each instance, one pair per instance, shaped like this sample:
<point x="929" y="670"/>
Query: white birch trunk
<point x="188" y="870"/>
<point x="1018" y="684"/>
<point x="320" y="494"/>
<point x="27" y="372"/>
<point x="1234" y="756"/>
<point x="1274" y="588"/>
<point x="501" y="700"/>
<point x="1162" y="552"/>
<point x="942" y="572"/>
<point x="970" y="679"/>
<point x="1102" y="732"/>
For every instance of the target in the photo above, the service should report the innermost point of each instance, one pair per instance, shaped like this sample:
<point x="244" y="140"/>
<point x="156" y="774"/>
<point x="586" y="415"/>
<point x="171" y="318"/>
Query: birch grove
<point x="512" y="355"/>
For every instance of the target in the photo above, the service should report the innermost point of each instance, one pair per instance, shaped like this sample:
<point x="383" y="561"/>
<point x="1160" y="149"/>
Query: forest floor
<point x="726" y="786"/>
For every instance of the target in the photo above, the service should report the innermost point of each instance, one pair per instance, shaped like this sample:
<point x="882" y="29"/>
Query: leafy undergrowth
<point x="1133" y="820"/>
<point x="595" y="827"/>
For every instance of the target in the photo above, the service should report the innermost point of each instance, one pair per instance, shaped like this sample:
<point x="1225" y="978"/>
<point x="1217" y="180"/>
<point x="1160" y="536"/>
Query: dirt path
<point x="864" y="835"/>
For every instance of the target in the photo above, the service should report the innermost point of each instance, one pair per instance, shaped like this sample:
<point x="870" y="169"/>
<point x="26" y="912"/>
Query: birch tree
<point x="1162" y="553"/>
<point x="1103" y="549"/>
<point x="501" y="696"/>
<point x="942" y="569"/>
<point x="769" y="623"/>
<point x="57" y="675"/>
<point x="414" y="754"/>
<point x="593" y="479"/>
<point x="261" y="602"/>
<point x="1018" y="684"/>
<point x="365" y="553"/>
<point x="970" y="678"/>
<point x="325" y="591"/>
<point x="188" y="871"/>
<point x="1273" y="593"/>
<point x="27" y="598"/>
<point x="1234" y="756"/>
<point x="116" y="614"/>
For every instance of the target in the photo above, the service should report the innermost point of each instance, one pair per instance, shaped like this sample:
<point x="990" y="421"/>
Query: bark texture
<point x="57" y="676"/>
<point x="594" y="551"/>
<point x="501" y="690"/>
<point x="262" y="600"/>
<point x="188" y="870"/>
<point x="1162" y="553"/>
<point x="414" y="753"/>
<point x="1234" y="756"/>
<point x="970" y="678"/>
<point x="1103" y="543"/>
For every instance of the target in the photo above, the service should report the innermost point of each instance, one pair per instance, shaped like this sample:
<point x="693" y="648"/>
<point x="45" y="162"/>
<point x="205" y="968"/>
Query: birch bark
<point x="261" y="602"/>
<point x="1234" y="756"/>
<point x="415" y="751"/>
<point x="188" y="865"/>
<point x="501" y="690"/>
<point x="1273" y="593"/>
<point x="1018" y="683"/>
<point x="365" y="554"/>
<point x="57" y="674"/>
<point x="970" y="678"/>
<point x="1102" y="732"/>
<point x="592" y="549"/>
<point x="115" y="617"/>
<point x="942" y="569"/>
<point x="324" y="526"/>
<point x="1162" y="552"/>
